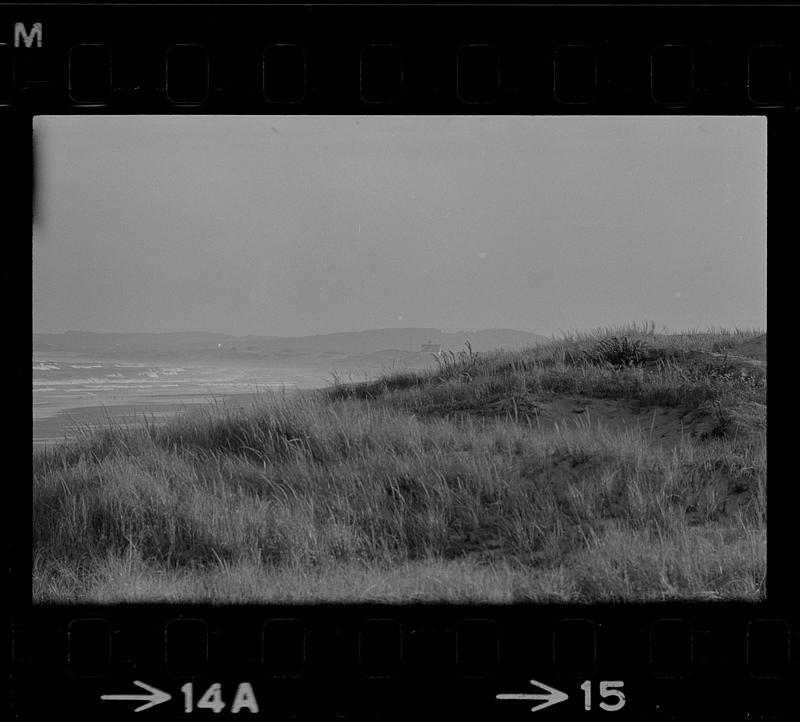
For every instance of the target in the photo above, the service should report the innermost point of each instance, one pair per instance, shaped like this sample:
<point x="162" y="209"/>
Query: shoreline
<point x="64" y="424"/>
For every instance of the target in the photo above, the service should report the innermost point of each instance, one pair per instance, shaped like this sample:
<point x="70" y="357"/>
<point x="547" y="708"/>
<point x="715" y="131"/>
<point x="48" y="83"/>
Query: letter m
<point x="21" y="34"/>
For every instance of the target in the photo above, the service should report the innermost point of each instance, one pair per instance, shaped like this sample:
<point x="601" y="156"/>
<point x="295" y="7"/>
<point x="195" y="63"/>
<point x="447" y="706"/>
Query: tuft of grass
<point x="619" y="352"/>
<point x="423" y="486"/>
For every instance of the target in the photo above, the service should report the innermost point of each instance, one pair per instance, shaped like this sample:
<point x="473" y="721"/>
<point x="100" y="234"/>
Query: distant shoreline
<point x="50" y="430"/>
<point x="73" y="390"/>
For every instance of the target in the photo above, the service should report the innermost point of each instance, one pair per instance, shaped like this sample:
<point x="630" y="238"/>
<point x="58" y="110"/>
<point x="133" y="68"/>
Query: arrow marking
<point x="155" y="697"/>
<point x="553" y="696"/>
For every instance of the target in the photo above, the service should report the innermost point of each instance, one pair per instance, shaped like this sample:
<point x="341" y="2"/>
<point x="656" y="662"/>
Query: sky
<point x="298" y="225"/>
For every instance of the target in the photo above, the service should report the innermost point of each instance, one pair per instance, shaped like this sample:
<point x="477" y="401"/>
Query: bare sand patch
<point x="756" y="349"/>
<point x="659" y="423"/>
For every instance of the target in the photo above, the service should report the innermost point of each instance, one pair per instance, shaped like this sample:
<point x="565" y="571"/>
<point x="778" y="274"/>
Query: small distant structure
<point x="431" y="347"/>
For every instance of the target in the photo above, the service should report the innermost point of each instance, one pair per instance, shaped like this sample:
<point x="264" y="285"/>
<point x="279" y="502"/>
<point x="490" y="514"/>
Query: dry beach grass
<point x="621" y="464"/>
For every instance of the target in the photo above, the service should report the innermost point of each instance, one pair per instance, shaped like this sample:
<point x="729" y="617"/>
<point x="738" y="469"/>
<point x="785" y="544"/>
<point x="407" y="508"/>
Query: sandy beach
<point x="55" y="423"/>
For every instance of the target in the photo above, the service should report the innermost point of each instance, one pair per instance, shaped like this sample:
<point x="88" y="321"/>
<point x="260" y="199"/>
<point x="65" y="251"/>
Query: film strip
<point x="286" y="60"/>
<point x="653" y="660"/>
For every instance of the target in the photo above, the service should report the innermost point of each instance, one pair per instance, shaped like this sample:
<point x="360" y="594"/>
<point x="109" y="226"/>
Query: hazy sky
<point x="287" y="225"/>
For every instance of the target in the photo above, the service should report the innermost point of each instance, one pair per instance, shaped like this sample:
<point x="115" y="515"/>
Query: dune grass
<point x="428" y="486"/>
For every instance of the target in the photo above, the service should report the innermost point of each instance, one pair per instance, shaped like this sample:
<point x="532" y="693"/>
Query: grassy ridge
<point x="433" y="485"/>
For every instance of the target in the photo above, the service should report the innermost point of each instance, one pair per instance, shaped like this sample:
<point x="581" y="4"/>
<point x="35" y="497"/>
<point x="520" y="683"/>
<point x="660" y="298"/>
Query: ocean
<point x="73" y="391"/>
